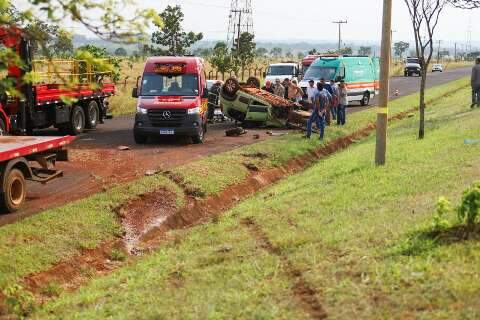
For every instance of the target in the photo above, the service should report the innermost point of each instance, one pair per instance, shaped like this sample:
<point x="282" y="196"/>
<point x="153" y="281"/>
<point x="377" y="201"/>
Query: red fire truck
<point x="45" y="104"/>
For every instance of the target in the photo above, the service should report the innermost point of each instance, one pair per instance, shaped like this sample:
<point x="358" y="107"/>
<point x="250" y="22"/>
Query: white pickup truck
<point x="282" y="71"/>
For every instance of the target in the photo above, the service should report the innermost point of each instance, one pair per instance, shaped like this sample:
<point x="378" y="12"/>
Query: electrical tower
<point x="240" y="20"/>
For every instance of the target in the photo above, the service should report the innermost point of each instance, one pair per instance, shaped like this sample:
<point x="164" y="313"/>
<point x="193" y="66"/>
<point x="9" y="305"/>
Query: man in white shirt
<point x="311" y="91"/>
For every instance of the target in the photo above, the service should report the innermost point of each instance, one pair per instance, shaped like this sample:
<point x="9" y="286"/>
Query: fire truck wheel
<point x="199" y="137"/>
<point x="3" y="128"/>
<point x="77" y="121"/>
<point x="253" y="82"/>
<point x="93" y="115"/>
<point x="14" y="191"/>
<point x="230" y="88"/>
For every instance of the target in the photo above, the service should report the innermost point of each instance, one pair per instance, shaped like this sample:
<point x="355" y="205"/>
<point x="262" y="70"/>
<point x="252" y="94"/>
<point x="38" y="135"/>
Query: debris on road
<point x="276" y="134"/>
<point x="150" y="173"/>
<point x="256" y="136"/>
<point x="123" y="148"/>
<point x="235" y="132"/>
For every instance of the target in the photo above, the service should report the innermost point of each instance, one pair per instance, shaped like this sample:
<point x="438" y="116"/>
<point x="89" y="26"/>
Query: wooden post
<point x="382" y="110"/>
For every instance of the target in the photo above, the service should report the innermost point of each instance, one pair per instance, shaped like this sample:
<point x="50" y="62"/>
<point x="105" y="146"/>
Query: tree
<point x="171" y="35"/>
<point x="301" y="55"/>
<point x="425" y="15"/>
<point x="243" y="51"/>
<point x="313" y="52"/>
<point x="365" y="51"/>
<point x="346" y="51"/>
<point x="221" y="58"/>
<point x="261" y="52"/>
<point x="121" y="52"/>
<point x="400" y="48"/>
<point x="63" y="44"/>
<point x="276" y="52"/>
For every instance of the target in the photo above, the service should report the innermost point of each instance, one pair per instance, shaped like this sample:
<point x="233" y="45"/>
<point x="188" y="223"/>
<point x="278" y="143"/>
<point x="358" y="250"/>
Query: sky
<point x="287" y="20"/>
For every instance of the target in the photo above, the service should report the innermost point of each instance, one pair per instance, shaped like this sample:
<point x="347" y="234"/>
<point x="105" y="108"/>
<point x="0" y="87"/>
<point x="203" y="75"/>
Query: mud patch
<point x="301" y="289"/>
<point x="188" y="190"/>
<point x="257" y="155"/>
<point x="145" y="213"/>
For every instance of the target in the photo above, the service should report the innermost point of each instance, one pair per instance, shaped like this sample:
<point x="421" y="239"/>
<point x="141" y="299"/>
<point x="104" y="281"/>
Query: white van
<point x="282" y="71"/>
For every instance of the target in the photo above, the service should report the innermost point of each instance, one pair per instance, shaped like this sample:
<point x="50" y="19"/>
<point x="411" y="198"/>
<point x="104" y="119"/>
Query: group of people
<point x="327" y="101"/>
<point x="287" y="89"/>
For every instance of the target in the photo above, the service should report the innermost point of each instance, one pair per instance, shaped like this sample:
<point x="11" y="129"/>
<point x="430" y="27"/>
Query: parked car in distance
<point x="437" y="67"/>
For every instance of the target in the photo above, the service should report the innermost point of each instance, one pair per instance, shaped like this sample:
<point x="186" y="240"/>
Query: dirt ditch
<point x="148" y="219"/>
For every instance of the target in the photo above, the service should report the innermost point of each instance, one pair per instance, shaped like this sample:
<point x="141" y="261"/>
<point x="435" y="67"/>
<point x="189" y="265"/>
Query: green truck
<point x="254" y="107"/>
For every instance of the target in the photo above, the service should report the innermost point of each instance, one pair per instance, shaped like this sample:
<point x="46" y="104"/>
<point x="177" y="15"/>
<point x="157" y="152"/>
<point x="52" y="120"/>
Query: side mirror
<point x="135" y="93"/>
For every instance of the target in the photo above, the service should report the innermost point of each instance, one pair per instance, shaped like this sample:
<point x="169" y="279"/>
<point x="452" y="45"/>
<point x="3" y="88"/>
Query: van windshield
<point x="317" y="73"/>
<point x="412" y="60"/>
<point x="155" y="84"/>
<point x="280" y="70"/>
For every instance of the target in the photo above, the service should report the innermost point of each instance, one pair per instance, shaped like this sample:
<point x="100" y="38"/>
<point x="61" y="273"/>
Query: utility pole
<point x="438" y="51"/>
<point x="238" y="28"/>
<point x="456" y="52"/>
<point x="240" y="21"/>
<point x="382" y="110"/>
<point x="340" y="22"/>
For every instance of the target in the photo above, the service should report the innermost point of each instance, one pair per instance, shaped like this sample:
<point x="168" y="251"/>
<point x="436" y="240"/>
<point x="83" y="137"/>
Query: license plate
<point x="167" y="132"/>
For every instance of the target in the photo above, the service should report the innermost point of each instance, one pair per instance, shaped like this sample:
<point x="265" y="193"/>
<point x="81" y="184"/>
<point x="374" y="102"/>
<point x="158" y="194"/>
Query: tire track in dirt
<point x="301" y="289"/>
<point x="99" y="260"/>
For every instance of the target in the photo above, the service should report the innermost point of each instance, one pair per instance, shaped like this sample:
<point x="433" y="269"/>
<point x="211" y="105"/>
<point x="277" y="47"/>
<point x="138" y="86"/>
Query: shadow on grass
<point x="423" y="241"/>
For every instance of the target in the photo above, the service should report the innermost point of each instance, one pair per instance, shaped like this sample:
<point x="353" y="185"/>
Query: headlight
<point x="194" y="110"/>
<point x="142" y="110"/>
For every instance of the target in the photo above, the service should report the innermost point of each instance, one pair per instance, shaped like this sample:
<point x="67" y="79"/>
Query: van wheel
<point x="77" y="122"/>
<point x="199" y="137"/>
<point x="366" y="99"/>
<point x="93" y="115"/>
<point x="139" y="138"/>
<point x="14" y="191"/>
<point x="3" y="128"/>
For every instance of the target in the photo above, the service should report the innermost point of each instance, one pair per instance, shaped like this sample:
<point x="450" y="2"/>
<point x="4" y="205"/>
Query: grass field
<point x="334" y="240"/>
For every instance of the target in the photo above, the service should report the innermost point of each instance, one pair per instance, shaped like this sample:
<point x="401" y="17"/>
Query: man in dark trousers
<point x="213" y="99"/>
<point x="476" y="84"/>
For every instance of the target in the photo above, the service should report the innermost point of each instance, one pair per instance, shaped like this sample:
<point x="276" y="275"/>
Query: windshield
<point x="317" y="73"/>
<point x="280" y="70"/>
<point x="413" y="60"/>
<point x="154" y="84"/>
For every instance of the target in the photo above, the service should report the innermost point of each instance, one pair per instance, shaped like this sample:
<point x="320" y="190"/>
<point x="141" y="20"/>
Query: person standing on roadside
<point x="279" y="89"/>
<point x="476" y="84"/>
<point x="328" y="88"/>
<point x="213" y="100"/>
<point x="342" y="103"/>
<point x="335" y="96"/>
<point x="295" y="93"/>
<point x="311" y="93"/>
<point x="268" y="86"/>
<point x="286" y="85"/>
<point x="318" y="115"/>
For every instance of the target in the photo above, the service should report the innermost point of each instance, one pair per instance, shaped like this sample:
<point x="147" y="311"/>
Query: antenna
<point x="240" y="20"/>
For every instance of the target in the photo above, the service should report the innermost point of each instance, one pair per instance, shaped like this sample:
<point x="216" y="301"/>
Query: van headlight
<point x="142" y="110"/>
<point x="195" y="110"/>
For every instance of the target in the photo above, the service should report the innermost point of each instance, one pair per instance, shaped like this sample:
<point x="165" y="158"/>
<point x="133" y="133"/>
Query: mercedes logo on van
<point x="166" y="115"/>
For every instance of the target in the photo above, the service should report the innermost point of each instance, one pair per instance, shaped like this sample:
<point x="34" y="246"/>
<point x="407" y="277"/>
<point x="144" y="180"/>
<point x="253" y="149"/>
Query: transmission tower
<point x="240" y="20"/>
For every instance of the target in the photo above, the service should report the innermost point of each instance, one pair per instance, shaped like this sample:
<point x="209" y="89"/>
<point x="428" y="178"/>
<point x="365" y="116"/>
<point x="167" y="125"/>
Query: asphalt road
<point x="96" y="162"/>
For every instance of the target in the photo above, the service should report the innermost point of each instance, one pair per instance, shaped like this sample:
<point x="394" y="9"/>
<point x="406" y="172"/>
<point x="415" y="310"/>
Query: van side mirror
<point x="135" y="93"/>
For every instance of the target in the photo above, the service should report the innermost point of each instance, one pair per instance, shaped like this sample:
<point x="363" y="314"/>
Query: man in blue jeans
<point x="322" y="98"/>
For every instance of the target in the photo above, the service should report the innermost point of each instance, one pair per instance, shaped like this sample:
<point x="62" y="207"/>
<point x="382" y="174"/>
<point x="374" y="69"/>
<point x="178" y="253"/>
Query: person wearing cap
<point x="342" y="103"/>
<point x="279" y="89"/>
<point x="476" y="84"/>
<point x="268" y="87"/>
<point x="213" y="99"/>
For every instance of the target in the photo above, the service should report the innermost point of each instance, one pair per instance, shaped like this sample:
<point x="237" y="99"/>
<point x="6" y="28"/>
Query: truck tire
<point x="93" y="115"/>
<point x="229" y="89"/>
<point x="3" y="128"/>
<point x="365" y="99"/>
<point x="77" y="121"/>
<point x="199" y="137"/>
<point x="14" y="191"/>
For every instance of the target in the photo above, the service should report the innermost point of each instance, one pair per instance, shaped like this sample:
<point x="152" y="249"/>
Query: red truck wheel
<point x="92" y="113"/>
<point x="14" y="191"/>
<point x="77" y="121"/>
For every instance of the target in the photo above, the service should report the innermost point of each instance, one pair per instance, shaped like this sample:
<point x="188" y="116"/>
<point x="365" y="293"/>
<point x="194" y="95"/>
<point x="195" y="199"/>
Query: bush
<point x="443" y="208"/>
<point x="470" y="207"/>
<point x="19" y="302"/>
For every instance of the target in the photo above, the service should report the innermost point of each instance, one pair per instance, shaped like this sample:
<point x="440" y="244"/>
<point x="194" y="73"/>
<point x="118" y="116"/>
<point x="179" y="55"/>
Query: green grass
<point x="342" y="223"/>
<point x="39" y="242"/>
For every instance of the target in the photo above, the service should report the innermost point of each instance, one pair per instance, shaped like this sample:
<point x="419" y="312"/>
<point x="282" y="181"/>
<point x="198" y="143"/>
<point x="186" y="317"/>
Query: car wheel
<point x="199" y="137"/>
<point x="14" y="191"/>
<point x="366" y="99"/>
<point x="229" y="89"/>
<point x="93" y="115"/>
